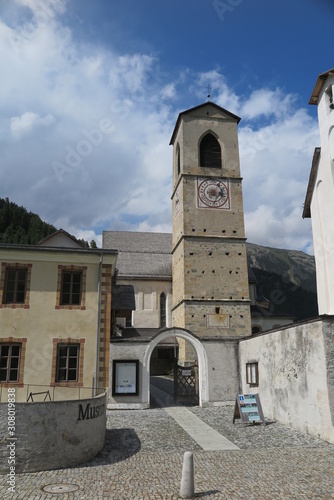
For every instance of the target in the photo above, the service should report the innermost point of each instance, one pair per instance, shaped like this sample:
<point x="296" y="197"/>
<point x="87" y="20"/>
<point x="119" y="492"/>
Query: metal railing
<point x="52" y="393"/>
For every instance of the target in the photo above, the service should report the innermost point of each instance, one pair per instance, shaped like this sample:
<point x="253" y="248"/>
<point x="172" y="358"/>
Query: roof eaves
<point x="237" y="118"/>
<point x="319" y="85"/>
<point x="311" y="182"/>
<point x="59" y="231"/>
<point x="37" y="248"/>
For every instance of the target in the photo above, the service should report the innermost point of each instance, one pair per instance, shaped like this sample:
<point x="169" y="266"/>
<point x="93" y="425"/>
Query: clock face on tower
<point x="213" y="193"/>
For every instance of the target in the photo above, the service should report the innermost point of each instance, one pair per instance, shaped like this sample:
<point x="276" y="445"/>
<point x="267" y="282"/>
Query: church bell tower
<point x="210" y="278"/>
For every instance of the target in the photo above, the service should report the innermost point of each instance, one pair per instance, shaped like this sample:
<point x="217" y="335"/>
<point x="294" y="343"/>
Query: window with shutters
<point x="210" y="152"/>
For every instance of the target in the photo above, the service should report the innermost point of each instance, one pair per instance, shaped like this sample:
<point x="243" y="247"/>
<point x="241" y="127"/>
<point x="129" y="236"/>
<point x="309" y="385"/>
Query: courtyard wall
<point x="295" y="375"/>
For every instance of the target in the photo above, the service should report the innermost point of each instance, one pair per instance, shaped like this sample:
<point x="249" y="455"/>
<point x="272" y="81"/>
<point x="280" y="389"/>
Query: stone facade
<point x="210" y="279"/>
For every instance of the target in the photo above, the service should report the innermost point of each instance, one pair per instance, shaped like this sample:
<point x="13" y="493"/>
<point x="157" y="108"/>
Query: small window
<point x="67" y="362"/>
<point x="256" y="329"/>
<point x="210" y="152"/>
<point x="9" y="362"/>
<point x="252" y="374"/>
<point x="162" y="310"/>
<point x="71" y="288"/>
<point x="15" y="286"/>
<point x="178" y="159"/>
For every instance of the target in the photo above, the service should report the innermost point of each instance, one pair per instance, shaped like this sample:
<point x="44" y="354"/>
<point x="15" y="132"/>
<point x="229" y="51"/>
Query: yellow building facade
<point x="55" y="316"/>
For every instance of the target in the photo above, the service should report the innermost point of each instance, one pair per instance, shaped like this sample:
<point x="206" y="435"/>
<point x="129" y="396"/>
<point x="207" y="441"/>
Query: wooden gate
<point x="186" y="383"/>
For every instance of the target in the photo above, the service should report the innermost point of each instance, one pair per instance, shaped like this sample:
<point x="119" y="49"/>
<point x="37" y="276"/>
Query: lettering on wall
<point x="90" y="411"/>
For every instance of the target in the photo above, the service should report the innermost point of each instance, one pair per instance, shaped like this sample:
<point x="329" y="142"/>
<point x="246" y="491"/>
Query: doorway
<point x="174" y="373"/>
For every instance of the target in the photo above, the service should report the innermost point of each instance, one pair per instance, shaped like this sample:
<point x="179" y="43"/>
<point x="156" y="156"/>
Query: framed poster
<point x="125" y="377"/>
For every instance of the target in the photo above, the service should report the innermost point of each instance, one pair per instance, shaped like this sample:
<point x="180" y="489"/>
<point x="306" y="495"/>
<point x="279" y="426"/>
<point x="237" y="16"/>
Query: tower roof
<point x="219" y="108"/>
<point x="319" y="85"/>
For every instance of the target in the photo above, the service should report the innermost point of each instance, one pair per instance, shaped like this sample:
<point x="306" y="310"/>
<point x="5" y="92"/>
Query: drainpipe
<point x="98" y="325"/>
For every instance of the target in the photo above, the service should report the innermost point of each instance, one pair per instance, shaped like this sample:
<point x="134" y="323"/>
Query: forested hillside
<point x="21" y="227"/>
<point x="17" y="225"/>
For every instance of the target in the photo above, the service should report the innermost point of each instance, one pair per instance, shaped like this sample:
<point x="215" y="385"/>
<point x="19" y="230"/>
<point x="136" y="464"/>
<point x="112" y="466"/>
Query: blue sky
<point x="91" y="90"/>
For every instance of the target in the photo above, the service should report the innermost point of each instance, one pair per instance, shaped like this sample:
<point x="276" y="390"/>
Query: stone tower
<point x="210" y="279"/>
<point x="319" y="202"/>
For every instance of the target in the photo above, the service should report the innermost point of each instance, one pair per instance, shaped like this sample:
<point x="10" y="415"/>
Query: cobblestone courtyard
<point x="143" y="458"/>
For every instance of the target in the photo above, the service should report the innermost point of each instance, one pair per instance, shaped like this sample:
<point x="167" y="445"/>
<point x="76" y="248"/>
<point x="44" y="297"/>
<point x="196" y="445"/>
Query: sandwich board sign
<point x="248" y="408"/>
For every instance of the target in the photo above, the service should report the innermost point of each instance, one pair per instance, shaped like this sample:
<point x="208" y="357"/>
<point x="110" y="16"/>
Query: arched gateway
<point x="201" y="358"/>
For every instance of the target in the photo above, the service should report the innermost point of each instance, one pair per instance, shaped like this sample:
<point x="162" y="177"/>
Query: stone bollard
<point x="187" y="482"/>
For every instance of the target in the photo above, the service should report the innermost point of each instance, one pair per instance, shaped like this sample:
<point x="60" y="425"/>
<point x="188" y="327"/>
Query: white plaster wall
<point x="217" y="363"/>
<point x="322" y="206"/>
<point x="293" y="377"/>
<point x="147" y="298"/>
<point x="129" y="351"/>
<point x="50" y="435"/>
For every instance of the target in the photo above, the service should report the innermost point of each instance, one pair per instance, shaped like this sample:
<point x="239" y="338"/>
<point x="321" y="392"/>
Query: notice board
<point x="248" y="408"/>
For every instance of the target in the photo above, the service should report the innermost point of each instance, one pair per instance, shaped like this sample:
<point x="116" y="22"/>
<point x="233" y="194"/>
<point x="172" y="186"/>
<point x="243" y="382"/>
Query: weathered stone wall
<point x="52" y="434"/>
<point x="296" y="375"/>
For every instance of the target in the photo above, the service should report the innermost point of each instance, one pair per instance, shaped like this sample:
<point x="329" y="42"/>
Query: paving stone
<point x="143" y="459"/>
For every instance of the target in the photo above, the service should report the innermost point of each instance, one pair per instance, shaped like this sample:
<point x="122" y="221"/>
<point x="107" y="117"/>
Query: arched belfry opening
<point x="210" y="152"/>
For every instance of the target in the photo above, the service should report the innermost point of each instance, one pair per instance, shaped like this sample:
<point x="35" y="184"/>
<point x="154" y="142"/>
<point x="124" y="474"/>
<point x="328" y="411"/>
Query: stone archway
<point x="201" y="357"/>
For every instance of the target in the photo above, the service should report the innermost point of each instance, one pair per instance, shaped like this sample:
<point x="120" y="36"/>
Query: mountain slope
<point x="287" y="278"/>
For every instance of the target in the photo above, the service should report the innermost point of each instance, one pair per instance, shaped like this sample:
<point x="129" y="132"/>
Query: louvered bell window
<point x="210" y="152"/>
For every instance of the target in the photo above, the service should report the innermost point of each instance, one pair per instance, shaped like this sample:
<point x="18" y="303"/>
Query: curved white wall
<point x="52" y="434"/>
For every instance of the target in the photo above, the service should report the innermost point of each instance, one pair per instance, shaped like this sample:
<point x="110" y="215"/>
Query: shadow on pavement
<point x="120" y="445"/>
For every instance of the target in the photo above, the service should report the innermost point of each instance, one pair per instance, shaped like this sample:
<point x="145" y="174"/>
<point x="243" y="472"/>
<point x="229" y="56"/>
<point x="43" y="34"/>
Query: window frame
<point x="10" y="357"/>
<point x="252" y="373"/>
<point x="62" y="269"/>
<point x="11" y="341"/>
<point x="71" y="284"/>
<point x="67" y="358"/>
<point x="17" y="281"/>
<point x="58" y="342"/>
<point x="7" y="267"/>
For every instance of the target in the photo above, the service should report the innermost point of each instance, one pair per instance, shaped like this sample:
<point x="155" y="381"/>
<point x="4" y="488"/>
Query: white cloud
<point x="25" y="123"/>
<point x="94" y="126"/>
<point x="215" y="83"/>
<point x="266" y="102"/>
